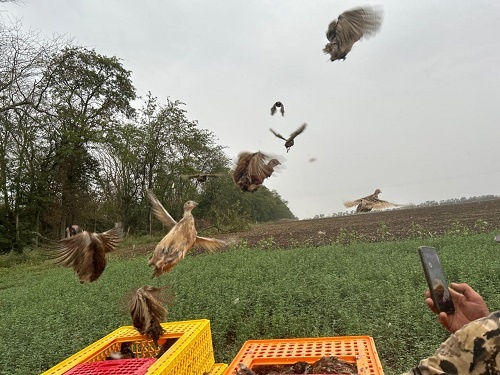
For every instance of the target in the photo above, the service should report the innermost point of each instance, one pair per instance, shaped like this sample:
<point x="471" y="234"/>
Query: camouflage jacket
<point x="473" y="349"/>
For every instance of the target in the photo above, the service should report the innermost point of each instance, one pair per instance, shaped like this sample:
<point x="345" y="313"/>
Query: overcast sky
<point x="413" y="110"/>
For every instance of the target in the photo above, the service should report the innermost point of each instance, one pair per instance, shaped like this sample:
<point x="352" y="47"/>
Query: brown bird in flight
<point x="179" y="240"/>
<point x="86" y="252"/>
<point x="252" y="169"/>
<point x="350" y="27"/>
<point x="147" y="312"/>
<point x="290" y="141"/>
<point x="370" y="202"/>
<point x="200" y="177"/>
<point x="276" y="106"/>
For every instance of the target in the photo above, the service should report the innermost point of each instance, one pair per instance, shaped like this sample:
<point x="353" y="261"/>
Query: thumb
<point x="463" y="288"/>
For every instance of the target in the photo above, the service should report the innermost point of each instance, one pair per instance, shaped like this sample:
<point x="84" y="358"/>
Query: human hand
<point x="469" y="306"/>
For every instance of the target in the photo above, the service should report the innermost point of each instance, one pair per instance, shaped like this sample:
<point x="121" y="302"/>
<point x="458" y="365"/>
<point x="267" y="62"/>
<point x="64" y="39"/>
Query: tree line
<point x="74" y="150"/>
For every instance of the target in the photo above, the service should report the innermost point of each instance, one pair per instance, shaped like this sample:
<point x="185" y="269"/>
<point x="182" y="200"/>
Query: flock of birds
<point x="86" y="251"/>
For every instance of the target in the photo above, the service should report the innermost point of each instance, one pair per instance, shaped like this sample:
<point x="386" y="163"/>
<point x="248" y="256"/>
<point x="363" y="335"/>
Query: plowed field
<point x="418" y="222"/>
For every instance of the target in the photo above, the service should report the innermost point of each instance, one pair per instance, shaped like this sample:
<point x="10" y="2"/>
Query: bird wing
<point x="107" y="241"/>
<point x="278" y="135"/>
<point x="257" y="167"/>
<point x="330" y="33"/>
<point x="379" y="204"/>
<point x="209" y="243"/>
<point x="298" y="131"/>
<point x="282" y="109"/>
<point x="188" y="176"/>
<point x="348" y="204"/>
<point x="158" y="210"/>
<point x="241" y="165"/>
<point x="356" y="23"/>
<point x="273" y="109"/>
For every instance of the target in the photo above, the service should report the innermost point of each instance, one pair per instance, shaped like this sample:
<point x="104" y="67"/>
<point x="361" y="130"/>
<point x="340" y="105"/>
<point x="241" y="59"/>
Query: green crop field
<point x="374" y="289"/>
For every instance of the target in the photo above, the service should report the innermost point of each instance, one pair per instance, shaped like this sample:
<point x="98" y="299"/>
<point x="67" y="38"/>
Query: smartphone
<point x="436" y="280"/>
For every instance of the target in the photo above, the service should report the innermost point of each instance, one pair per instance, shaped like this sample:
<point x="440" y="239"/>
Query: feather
<point x="85" y="253"/>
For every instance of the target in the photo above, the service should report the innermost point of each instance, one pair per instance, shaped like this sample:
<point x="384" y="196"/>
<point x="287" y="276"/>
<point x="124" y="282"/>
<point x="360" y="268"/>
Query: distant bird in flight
<point x="179" y="240"/>
<point x="252" y="169"/>
<point x="200" y="177"/>
<point x="276" y="106"/>
<point x="370" y="202"/>
<point x="290" y="141"/>
<point x="147" y="312"/>
<point x="351" y="26"/>
<point x="86" y="252"/>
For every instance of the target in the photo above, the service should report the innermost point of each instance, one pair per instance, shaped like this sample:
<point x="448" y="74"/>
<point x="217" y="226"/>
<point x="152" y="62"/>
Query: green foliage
<point x="374" y="289"/>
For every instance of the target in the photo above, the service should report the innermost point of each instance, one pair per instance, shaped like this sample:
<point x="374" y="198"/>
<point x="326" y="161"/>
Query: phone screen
<point x="436" y="280"/>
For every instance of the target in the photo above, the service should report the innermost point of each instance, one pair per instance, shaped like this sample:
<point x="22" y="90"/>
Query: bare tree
<point x="24" y="76"/>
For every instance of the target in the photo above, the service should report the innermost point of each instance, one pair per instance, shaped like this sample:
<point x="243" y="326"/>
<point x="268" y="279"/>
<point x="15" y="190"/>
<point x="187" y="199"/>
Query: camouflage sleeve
<point x="471" y="350"/>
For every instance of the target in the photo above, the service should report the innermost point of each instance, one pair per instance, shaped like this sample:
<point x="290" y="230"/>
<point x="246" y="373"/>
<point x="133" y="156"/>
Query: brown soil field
<point x="403" y="223"/>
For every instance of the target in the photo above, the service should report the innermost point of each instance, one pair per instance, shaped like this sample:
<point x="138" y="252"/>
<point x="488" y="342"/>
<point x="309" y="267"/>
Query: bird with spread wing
<point x="147" y="312"/>
<point x="275" y="107"/>
<point x="289" y="142"/>
<point x="179" y="240"/>
<point x="86" y="252"/>
<point x="252" y="169"/>
<point x="200" y="177"/>
<point x="350" y="27"/>
<point x="370" y="202"/>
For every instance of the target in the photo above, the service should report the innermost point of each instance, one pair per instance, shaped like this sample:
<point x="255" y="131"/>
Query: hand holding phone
<point x="438" y="287"/>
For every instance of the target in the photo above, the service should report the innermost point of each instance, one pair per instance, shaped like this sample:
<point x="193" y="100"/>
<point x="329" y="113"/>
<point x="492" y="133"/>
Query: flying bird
<point x="181" y="237"/>
<point x="369" y="203"/>
<point x="350" y="27"/>
<point x="290" y="141"/>
<point x="147" y="312"/>
<point x="276" y="106"/>
<point x="252" y="169"/>
<point x="200" y="177"/>
<point x="86" y="252"/>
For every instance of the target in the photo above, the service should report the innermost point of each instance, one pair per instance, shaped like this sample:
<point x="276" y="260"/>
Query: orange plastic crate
<point x="354" y="349"/>
<point x="136" y="366"/>
<point x="191" y="354"/>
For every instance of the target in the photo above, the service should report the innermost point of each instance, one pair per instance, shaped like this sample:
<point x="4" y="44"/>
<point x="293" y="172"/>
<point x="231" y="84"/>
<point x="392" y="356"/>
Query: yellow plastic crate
<point x="359" y="350"/>
<point x="191" y="354"/>
<point x="218" y="369"/>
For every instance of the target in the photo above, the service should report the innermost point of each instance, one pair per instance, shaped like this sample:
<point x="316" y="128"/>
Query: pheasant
<point x="200" y="177"/>
<point x="252" y="169"/>
<point x="369" y="202"/>
<point x="276" y="106"/>
<point x="86" y="252"/>
<point x="290" y="141"/>
<point x="350" y="27"/>
<point x="147" y="312"/>
<point x="179" y="240"/>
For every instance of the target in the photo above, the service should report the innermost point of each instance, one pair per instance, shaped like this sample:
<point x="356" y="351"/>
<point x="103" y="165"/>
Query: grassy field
<point x="371" y="289"/>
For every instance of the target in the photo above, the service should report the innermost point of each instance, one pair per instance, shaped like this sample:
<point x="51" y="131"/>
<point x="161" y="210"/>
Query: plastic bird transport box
<point x="359" y="350"/>
<point x="191" y="353"/>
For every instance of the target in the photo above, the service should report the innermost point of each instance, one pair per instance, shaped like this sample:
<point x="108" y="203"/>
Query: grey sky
<point x="413" y="111"/>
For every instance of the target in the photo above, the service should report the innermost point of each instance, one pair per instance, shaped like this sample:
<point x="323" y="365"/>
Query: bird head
<point x="189" y="205"/>
<point x="274" y="162"/>
<point x="378" y="191"/>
